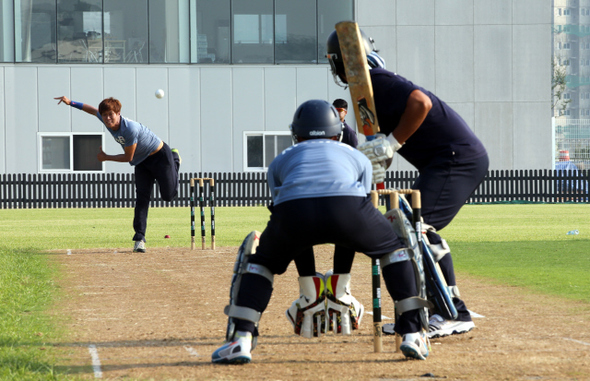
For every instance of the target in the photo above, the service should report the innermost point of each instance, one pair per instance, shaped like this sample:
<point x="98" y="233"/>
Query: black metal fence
<point x="111" y="190"/>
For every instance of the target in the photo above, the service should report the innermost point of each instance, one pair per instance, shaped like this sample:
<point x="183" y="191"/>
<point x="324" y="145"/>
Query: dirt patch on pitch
<point x="159" y="316"/>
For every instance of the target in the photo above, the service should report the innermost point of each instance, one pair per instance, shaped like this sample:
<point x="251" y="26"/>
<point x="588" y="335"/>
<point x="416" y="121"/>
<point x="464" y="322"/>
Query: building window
<point x="70" y="152"/>
<point x="168" y="31"/>
<point x="35" y="31"/>
<point x="261" y="147"/>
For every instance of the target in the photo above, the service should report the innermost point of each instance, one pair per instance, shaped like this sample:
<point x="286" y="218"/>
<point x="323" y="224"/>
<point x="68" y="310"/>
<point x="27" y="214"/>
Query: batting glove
<point x="380" y="148"/>
<point x="378" y="173"/>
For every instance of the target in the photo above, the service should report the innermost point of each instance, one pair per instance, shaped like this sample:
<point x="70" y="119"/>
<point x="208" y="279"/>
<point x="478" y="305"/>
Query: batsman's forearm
<point x="121" y="158"/>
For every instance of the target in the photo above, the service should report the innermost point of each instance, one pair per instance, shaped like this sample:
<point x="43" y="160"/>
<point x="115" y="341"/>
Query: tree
<point x="558" y="85"/>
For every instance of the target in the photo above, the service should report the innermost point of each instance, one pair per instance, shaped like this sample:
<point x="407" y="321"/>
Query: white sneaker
<point x="415" y="345"/>
<point x="440" y="327"/>
<point x="139" y="247"/>
<point x="236" y="351"/>
<point x="388" y="329"/>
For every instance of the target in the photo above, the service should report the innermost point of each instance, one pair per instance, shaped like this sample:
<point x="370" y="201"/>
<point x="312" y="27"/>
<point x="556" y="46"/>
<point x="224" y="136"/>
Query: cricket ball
<point x="166" y="236"/>
<point x="160" y="94"/>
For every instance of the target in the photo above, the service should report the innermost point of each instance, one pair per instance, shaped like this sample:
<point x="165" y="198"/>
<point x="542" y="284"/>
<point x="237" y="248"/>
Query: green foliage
<point x="558" y="85"/>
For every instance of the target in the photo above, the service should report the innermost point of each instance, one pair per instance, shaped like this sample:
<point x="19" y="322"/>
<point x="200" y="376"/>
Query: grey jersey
<point x="130" y="133"/>
<point x="319" y="168"/>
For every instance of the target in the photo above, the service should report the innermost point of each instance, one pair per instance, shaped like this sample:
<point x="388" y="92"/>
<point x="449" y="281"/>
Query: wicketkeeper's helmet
<point x="316" y="119"/>
<point x="334" y="54"/>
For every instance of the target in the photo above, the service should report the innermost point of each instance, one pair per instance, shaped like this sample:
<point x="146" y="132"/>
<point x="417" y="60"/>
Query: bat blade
<point x="358" y="78"/>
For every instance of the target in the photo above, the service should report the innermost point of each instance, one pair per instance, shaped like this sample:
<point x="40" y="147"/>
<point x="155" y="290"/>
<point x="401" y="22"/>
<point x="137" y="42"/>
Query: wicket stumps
<point x="202" y="207"/>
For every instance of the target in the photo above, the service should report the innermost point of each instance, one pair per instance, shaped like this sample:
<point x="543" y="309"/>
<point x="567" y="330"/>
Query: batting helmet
<point x="316" y="119"/>
<point x="334" y="54"/>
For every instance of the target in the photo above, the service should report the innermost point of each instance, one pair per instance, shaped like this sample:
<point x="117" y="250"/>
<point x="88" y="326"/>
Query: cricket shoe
<point x="175" y="150"/>
<point x="415" y="346"/>
<point x="139" y="247"/>
<point x="388" y="329"/>
<point x="440" y="327"/>
<point x="236" y="351"/>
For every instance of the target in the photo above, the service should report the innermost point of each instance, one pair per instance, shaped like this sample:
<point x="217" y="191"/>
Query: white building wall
<point x="484" y="58"/>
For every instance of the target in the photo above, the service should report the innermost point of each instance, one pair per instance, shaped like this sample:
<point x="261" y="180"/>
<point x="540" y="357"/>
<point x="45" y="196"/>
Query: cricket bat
<point x="356" y="69"/>
<point x="358" y="78"/>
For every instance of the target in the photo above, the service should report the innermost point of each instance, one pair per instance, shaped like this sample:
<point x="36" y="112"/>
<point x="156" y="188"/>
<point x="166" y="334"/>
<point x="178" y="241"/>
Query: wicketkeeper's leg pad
<point x="344" y="311"/>
<point x="307" y="314"/>
<point x="242" y="267"/>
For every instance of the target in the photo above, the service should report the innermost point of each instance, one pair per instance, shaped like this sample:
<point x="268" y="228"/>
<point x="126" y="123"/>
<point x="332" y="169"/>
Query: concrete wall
<point x="490" y="60"/>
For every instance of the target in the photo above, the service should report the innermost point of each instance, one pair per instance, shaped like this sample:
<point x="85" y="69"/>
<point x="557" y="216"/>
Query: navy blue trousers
<point x="350" y="222"/>
<point x="161" y="167"/>
<point x="444" y="188"/>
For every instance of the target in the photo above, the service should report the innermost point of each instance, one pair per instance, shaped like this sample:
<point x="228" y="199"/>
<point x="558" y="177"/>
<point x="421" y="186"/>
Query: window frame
<point x="263" y="134"/>
<point x="70" y="135"/>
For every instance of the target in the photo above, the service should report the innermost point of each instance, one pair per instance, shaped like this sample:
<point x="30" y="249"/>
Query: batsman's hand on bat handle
<point x="379" y="149"/>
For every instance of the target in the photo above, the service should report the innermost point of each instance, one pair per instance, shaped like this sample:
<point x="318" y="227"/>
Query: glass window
<point x="210" y="42"/>
<point x="125" y="34"/>
<point x="78" y="25"/>
<point x="330" y="12"/>
<point x="35" y="31"/>
<point x="70" y="152"/>
<point x="295" y="31"/>
<point x="169" y="31"/>
<point x="252" y="31"/>
<point x="262" y="147"/>
<point x="55" y="153"/>
<point x="6" y="31"/>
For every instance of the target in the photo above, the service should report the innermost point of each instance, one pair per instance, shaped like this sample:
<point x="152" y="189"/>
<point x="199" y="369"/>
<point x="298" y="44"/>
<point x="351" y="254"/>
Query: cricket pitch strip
<point x="159" y="316"/>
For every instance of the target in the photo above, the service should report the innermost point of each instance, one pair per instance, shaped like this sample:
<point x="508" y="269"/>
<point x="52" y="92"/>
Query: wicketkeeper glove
<point x="307" y="314"/>
<point x="344" y="312"/>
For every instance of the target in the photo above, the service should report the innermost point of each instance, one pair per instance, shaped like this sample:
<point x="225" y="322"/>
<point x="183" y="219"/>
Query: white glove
<point x="344" y="311"/>
<point x="380" y="149"/>
<point x="378" y="173"/>
<point x="307" y="314"/>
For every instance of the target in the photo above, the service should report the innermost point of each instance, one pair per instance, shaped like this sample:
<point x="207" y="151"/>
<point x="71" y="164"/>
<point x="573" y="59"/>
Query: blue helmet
<point x="316" y="119"/>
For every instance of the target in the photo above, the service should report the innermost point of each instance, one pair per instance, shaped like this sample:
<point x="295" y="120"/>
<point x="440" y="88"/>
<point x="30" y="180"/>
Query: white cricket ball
<point x="160" y="94"/>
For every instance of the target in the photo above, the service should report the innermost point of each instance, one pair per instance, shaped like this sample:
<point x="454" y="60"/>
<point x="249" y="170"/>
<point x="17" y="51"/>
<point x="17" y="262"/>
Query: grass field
<point x="523" y="245"/>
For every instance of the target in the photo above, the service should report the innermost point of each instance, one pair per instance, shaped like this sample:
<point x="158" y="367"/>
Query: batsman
<point x="320" y="190"/>
<point x="431" y="136"/>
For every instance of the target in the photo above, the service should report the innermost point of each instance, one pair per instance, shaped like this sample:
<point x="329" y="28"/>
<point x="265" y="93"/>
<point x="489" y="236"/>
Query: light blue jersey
<point x="130" y="133"/>
<point x="319" y="168"/>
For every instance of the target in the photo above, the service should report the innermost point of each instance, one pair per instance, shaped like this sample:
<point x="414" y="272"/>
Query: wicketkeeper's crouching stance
<point x="320" y="195"/>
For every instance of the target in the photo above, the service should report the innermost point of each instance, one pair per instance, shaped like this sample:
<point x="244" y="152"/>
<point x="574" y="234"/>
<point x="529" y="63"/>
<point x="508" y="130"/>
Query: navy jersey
<point x="442" y="135"/>
<point x="349" y="136"/>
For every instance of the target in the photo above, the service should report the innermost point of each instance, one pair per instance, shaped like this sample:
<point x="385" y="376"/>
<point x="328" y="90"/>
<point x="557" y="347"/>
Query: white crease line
<point x="576" y="341"/>
<point x="475" y="314"/>
<point x="95" y="361"/>
<point x="191" y="351"/>
<point x="382" y="316"/>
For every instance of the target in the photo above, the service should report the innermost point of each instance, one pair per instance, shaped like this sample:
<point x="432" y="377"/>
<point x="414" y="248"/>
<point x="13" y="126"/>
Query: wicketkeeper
<point x="320" y="190"/>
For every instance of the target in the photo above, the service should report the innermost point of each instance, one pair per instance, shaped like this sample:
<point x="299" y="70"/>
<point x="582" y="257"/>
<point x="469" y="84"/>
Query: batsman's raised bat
<point x="358" y="79"/>
<point x="361" y="93"/>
